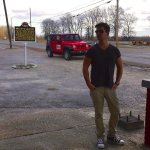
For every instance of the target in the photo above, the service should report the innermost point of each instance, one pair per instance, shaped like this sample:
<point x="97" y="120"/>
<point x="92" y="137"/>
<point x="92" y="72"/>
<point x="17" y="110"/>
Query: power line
<point x="78" y="9"/>
<point x="95" y="7"/>
<point x="79" y="13"/>
<point x="73" y="9"/>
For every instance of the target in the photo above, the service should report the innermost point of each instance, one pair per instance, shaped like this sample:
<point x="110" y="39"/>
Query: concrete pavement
<point x="57" y="129"/>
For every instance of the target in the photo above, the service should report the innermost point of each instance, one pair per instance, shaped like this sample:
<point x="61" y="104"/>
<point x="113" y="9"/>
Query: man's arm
<point x="119" y="65"/>
<point x="86" y="63"/>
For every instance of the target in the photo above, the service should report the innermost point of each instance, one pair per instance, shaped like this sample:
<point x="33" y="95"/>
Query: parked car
<point x="67" y="45"/>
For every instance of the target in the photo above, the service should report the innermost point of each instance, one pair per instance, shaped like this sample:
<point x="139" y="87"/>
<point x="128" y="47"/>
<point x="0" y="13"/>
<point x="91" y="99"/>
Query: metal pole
<point x="146" y="83"/>
<point x="25" y="54"/>
<point x="117" y="16"/>
<point x="7" y="24"/>
<point x="30" y="17"/>
<point x="11" y="29"/>
<point x="147" y="119"/>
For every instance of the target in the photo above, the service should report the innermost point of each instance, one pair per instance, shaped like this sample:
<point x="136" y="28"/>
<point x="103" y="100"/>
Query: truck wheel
<point x="67" y="55"/>
<point x="49" y="52"/>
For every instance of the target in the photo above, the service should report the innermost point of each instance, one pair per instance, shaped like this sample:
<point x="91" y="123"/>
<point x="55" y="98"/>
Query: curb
<point x="21" y="66"/>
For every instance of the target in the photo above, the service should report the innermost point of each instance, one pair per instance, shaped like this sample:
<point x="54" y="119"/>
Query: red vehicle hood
<point x="74" y="42"/>
<point x="77" y="45"/>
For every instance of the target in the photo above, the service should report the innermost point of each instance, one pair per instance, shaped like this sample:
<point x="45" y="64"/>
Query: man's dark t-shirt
<point x="103" y="65"/>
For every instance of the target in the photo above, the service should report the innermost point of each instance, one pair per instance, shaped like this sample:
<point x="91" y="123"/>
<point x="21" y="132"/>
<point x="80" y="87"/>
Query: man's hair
<point x="104" y="25"/>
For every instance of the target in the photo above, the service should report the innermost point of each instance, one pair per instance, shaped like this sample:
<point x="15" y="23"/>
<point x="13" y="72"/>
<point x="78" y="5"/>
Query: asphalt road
<point x="136" y="55"/>
<point x="54" y="83"/>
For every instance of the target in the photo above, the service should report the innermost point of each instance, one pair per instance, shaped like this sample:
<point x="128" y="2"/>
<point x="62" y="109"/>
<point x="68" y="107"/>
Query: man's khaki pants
<point x="98" y="96"/>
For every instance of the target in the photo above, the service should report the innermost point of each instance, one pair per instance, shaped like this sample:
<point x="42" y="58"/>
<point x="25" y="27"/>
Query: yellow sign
<point x="24" y="33"/>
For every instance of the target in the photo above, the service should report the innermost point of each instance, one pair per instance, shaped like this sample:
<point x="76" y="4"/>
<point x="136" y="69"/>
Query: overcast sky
<point x="18" y="10"/>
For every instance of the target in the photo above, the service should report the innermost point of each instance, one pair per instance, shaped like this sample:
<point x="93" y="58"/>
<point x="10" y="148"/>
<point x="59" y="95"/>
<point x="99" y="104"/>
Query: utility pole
<point x="30" y="17"/>
<point x="11" y="29"/>
<point x="7" y="24"/>
<point x="117" y="16"/>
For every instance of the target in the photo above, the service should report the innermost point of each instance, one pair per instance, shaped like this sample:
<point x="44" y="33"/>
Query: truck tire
<point x="49" y="52"/>
<point x="67" y="55"/>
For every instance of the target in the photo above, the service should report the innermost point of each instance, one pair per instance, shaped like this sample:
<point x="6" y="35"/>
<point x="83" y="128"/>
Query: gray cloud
<point x="145" y="19"/>
<point x="148" y="18"/>
<point x="146" y="12"/>
<point x="39" y="13"/>
<point x="147" y="29"/>
<point x="128" y="8"/>
<point x="19" y="11"/>
<point x="25" y="13"/>
<point x="21" y="16"/>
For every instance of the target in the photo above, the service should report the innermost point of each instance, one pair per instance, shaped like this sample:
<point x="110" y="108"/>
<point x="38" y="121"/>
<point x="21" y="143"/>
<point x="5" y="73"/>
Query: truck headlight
<point x="74" y="46"/>
<point x="87" y="46"/>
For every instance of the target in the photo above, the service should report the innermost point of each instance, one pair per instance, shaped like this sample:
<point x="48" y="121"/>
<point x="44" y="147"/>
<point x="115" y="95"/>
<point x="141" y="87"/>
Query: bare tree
<point x="77" y="24"/>
<point x="91" y="18"/>
<point x="87" y="26"/>
<point x="71" y="24"/>
<point x="100" y="15"/>
<point x="85" y="22"/>
<point x="111" y="18"/>
<point x="68" y="23"/>
<point x="62" y="24"/>
<point x="128" y="21"/>
<point x="50" y="26"/>
<point x="96" y="16"/>
<point x="80" y="24"/>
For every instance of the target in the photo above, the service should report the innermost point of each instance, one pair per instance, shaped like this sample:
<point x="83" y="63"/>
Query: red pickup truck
<point x="67" y="45"/>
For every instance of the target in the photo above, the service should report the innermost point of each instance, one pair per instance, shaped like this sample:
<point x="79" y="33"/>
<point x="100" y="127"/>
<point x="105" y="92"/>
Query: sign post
<point x="25" y="53"/>
<point x="146" y="83"/>
<point x="25" y="33"/>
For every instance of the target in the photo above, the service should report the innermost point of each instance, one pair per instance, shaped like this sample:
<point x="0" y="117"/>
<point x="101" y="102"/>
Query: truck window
<point x="76" y="37"/>
<point x="58" y="38"/>
<point x="53" y="38"/>
<point x="71" y="37"/>
<point x="48" y="39"/>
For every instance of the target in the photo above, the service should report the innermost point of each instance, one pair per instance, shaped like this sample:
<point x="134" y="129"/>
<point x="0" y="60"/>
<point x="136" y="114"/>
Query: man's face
<point x="101" y="33"/>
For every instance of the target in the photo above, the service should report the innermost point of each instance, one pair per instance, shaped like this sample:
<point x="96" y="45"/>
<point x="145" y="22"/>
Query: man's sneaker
<point x="100" y="143"/>
<point x="115" y="140"/>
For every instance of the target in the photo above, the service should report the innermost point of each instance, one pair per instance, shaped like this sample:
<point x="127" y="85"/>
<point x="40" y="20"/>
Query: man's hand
<point x="114" y="87"/>
<point x="91" y="86"/>
<point x="86" y="64"/>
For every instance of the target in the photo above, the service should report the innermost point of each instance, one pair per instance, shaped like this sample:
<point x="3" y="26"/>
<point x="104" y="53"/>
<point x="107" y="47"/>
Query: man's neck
<point x="103" y="44"/>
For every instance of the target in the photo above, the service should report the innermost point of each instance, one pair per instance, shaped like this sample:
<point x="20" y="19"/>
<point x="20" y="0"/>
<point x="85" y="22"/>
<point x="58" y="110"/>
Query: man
<point x="103" y="57"/>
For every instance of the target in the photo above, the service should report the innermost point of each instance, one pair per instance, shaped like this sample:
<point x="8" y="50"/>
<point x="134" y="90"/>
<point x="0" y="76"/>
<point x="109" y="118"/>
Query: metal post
<point x="25" y="54"/>
<point x="30" y="17"/>
<point x="146" y="83"/>
<point x="147" y="119"/>
<point x="11" y="29"/>
<point x="117" y="16"/>
<point x="7" y="24"/>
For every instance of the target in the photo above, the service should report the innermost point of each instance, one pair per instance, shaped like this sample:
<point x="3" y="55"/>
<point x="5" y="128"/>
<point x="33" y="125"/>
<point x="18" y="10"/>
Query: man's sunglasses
<point x="99" y="31"/>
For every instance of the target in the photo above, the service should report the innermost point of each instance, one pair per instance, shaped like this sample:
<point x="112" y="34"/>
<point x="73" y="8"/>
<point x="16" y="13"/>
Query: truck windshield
<point x="71" y="37"/>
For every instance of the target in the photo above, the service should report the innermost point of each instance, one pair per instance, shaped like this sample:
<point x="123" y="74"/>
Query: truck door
<point x="56" y="44"/>
<point x="48" y="43"/>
